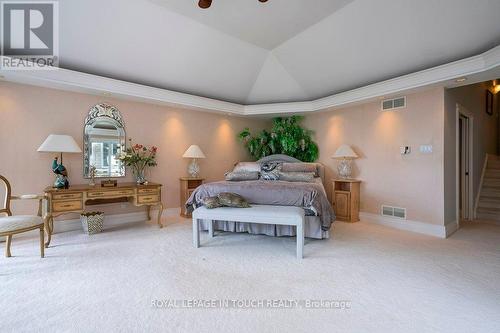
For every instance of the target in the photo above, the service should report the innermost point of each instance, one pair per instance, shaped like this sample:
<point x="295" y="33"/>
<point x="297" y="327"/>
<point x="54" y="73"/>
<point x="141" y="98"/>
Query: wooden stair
<point x="488" y="207"/>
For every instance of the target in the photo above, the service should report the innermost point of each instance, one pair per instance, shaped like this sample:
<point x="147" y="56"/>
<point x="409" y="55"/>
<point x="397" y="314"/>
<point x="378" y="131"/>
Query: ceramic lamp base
<point x="344" y="169"/>
<point x="61" y="182"/>
<point x="194" y="169"/>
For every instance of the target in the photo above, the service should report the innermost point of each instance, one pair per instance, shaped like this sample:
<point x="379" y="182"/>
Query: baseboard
<point x="109" y="221"/>
<point x="435" y="230"/>
<point x="451" y="228"/>
<point x="408" y="225"/>
<point x="114" y="220"/>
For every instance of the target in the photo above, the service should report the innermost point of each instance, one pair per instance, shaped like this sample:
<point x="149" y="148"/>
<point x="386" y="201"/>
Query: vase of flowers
<point x="139" y="158"/>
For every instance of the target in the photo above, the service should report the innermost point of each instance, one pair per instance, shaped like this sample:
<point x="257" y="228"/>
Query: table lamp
<point x="345" y="154"/>
<point x="194" y="152"/>
<point x="59" y="144"/>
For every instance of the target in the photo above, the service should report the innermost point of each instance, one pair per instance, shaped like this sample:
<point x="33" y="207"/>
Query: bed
<point x="311" y="196"/>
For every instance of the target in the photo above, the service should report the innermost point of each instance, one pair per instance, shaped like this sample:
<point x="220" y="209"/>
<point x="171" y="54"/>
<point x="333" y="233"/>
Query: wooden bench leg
<point x="211" y="229"/>
<point x="300" y="240"/>
<point x="196" y="233"/>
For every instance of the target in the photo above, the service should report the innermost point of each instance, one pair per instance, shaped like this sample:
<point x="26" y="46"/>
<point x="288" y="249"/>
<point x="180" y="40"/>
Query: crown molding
<point x="65" y="79"/>
<point x="428" y="77"/>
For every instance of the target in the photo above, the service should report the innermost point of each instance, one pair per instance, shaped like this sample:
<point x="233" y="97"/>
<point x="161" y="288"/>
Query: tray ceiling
<point x="265" y="25"/>
<point x="283" y="51"/>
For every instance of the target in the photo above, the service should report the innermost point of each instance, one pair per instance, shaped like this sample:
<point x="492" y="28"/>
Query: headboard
<point x="279" y="158"/>
<point x="320" y="168"/>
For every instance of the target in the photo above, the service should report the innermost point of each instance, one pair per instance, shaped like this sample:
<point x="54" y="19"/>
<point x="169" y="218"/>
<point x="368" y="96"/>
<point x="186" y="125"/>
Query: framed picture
<point x="489" y="102"/>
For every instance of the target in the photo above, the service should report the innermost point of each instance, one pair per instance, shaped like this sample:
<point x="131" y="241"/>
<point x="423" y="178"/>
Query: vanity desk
<point x="77" y="197"/>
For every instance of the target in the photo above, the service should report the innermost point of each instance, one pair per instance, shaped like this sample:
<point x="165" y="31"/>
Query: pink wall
<point x="415" y="181"/>
<point x="29" y="114"/>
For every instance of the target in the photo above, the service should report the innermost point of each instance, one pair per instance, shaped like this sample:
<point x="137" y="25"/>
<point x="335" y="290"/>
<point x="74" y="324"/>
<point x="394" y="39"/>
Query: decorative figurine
<point x="61" y="174"/>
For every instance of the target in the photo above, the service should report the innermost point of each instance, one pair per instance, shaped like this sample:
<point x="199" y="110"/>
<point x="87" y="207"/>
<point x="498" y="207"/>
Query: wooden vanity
<point x="76" y="198"/>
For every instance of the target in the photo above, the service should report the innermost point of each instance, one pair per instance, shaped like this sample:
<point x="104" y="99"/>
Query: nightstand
<point x="345" y="197"/>
<point x="188" y="185"/>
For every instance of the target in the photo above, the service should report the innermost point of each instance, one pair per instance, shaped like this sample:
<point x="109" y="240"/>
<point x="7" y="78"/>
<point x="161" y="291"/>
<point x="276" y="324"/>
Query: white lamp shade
<point x="345" y="151"/>
<point x="56" y="143"/>
<point x="193" y="152"/>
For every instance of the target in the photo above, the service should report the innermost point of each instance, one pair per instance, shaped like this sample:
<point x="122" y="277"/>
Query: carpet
<point x="366" y="278"/>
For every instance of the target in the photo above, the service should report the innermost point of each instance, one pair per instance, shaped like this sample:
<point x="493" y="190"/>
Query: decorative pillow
<point x="297" y="176"/>
<point x="247" y="167"/>
<point x="242" y="175"/>
<point x="270" y="175"/>
<point x="270" y="170"/>
<point x="212" y="202"/>
<point x="232" y="200"/>
<point x="270" y="166"/>
<point x="300" y="167"/>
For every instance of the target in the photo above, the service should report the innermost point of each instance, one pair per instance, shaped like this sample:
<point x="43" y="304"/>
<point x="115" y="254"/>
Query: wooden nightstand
<point x="345" y="197"/>
<point x="188" y="185"/>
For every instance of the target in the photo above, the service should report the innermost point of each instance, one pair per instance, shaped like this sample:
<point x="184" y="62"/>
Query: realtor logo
<point x="29" y="35"/>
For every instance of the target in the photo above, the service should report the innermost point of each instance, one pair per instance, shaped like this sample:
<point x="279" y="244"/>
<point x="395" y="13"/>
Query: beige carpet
<point x="395" y="281"/>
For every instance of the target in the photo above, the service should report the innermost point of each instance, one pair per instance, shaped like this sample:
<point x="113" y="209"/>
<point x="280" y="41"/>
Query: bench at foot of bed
<point x="260" y="214"/>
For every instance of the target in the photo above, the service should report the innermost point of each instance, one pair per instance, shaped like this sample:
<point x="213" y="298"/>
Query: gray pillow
<point x="242" y="176"/>
<point x="232" y="200"/>
<point x="212" y="202"/>
<point x="297" y="176"/>
<point x="247" y="167"/>
<point x="300" y="167"/>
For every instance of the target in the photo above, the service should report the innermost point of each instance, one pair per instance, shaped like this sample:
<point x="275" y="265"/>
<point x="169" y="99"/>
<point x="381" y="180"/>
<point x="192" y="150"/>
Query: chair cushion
<point x="13" y="223"/>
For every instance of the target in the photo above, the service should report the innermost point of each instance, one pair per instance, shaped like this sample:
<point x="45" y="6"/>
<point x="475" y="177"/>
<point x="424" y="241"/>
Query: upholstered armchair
<point x="11" y="225"/>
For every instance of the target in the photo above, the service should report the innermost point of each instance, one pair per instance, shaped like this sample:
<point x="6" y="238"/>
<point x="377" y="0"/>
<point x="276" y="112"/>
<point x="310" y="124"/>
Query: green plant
<point x="286" y="137"/>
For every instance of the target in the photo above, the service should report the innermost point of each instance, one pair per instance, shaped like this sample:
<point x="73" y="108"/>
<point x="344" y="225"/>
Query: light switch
<point x="405" y="150"/>
<point x="426" y="149"/>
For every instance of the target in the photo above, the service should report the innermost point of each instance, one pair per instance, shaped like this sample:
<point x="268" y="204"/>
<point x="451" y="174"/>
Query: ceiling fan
<point x="207" y="3"/>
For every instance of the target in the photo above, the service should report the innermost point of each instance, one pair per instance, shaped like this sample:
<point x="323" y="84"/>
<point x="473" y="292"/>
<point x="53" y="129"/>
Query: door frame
<point x="461" y="111"/>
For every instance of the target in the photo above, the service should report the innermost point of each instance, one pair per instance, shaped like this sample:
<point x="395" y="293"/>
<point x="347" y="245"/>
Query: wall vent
<point x="397" y="212"/>
<point x="394" y="103"/>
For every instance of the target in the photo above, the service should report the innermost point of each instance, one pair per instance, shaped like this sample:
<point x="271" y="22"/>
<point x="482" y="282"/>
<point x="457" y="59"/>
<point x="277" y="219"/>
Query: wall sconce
<point x="496" y="88"/>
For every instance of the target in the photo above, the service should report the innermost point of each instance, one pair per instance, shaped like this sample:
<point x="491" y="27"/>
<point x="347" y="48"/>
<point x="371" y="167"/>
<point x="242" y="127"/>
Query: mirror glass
<point x="104" y="138"/>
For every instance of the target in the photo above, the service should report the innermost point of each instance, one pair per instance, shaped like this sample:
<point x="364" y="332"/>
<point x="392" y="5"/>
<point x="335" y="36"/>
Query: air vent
<point x="394" y="212"/>
<point x="395" y="103"/>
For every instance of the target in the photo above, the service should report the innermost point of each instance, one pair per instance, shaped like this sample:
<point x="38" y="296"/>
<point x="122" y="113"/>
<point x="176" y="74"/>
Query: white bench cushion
<point x="284" y="215"/>
<point x="263" y="214"/>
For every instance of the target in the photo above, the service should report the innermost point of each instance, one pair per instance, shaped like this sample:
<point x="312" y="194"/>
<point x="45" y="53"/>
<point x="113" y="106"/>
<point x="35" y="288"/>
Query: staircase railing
<point x="478" y="196"/>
